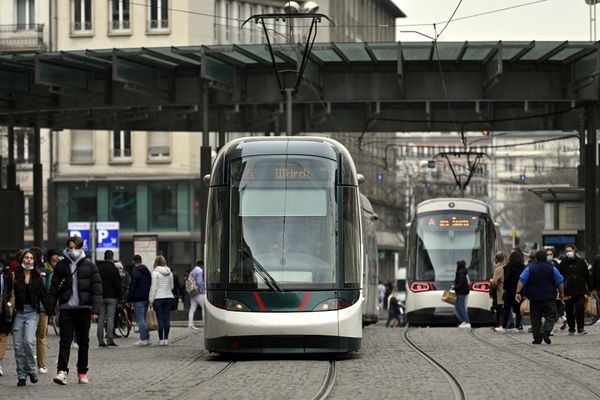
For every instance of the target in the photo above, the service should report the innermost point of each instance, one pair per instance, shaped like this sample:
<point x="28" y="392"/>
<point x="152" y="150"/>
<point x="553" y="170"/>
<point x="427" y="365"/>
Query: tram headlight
<point x="332" y="304"/>
<point x="234" y="305"/>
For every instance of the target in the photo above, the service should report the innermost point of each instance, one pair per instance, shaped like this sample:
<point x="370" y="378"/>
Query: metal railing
<point x="22" y="37"/>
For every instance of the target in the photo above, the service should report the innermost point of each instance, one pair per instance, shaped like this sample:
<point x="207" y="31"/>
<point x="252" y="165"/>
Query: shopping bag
<point x="591" y="306"/>
<point x="449" y="297"/>
<point x="151" y="320"/>
<point x="525" y="307"/>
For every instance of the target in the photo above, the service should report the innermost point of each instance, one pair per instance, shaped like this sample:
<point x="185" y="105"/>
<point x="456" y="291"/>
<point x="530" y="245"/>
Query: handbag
<point x="174" y="303"/>
<point x="525" y="307"/>
<point x="591" y="306"/>
<point x="151" y="319"/>
<point x="449" y="297"/>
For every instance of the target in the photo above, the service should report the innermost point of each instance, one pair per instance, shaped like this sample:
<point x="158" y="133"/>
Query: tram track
<point x="588" y="388"/>
<point x="328" y="383"/>
<point x="457" y="388"/>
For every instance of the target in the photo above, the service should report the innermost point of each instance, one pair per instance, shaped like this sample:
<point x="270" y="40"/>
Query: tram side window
<point x="351" y="237"/>
<point x="215" y="240"/>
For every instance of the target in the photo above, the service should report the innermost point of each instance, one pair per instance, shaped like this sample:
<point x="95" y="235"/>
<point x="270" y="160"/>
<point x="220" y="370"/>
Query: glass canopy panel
<point x="354" y="51"/>
<point x="167" y="52"/>
<point x="448" y="50"/>
<point x="414" y="53"/>
<point x="585" y="67"/>
<point x="260" y="52"/>
<point x="384" y="51"/>
<point x="326" y="55"/>
<point x="539" y="50"/>
<point x="564" y="54"/>
<point x="476" y="53"/>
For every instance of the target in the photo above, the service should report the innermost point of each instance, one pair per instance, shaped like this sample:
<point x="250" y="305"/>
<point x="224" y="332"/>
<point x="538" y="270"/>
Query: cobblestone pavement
<point x="385" y="368"/>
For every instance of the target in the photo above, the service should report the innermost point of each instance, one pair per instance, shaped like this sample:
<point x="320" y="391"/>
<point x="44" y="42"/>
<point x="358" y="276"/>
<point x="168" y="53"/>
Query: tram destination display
<point x="450" y="221"/>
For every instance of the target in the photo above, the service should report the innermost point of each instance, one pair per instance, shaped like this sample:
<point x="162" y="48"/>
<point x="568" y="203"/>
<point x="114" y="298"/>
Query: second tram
<point x="443" y="232"/>
<point x="283" y="248"/>
<point x="370" y="262"/>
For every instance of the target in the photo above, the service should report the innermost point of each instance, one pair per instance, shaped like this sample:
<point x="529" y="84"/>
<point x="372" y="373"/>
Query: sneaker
<point x="1" y="371"/>
<point x="194" y="328"/>
<point x="22" y="382"/>
<point x="33" y="378"/>
<point x="74" y="346"/>
<point x="537" y="341"/>
<point x="141" y="343"/>
<point x="111" y="343"/>
<point x="500" y="329"/>
<point x="465" y="325"/>
<point x="582" y="332"/>
<point x="564" y="324"/>
<point x="83" y="379"/>
<point x="166" y="342"/>
<point x="160" y="342"/>
<point x="61" y="378"/>
<point x="43" y="370"/>
<point x="571" y="333"/>
<point x="101" y="344"/>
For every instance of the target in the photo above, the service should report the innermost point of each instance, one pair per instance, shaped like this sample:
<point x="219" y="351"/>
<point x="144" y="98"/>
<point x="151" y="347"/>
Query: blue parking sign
<point x="81" y="229"/>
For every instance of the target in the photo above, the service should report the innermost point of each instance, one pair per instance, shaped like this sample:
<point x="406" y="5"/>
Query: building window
<point x="121" y="145"/>
<point x="25" y="14"/>
<point x="159" y="145"/>
<point x="81" y="16"/>
<point x="28" y="212"/>
<point x="163" y="206"/>
<point x="24" y="146"/>
<point x="508" y="164"/>
<point x="158" y="18"/>
<point x="82" y="204"/>
<point x="119" y="15"/>
<point x="82" y="151"/>
<point x="123" y="205"/>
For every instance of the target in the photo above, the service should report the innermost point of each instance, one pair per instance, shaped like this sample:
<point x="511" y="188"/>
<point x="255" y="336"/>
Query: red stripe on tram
<point x="259" y="301"/>
<point x="304" y="301"/>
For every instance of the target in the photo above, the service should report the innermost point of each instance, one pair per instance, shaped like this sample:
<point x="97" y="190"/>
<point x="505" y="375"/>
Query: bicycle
<point x="124" y="319"/>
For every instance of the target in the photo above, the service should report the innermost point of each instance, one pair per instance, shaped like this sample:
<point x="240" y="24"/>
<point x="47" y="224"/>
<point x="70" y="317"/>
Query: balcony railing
<point x="22" y="37"/>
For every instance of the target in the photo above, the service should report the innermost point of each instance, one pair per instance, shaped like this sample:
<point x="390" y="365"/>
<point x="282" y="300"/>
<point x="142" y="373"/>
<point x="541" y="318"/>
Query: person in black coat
<point x="578" y="284"/>
<point x="77" y="288"/>
<point x="512" y="271"/>
<point x="461" y="288"/>
<point x="112" y="291"/>
<point x="5" y="311"/>
<point x="139" y="294"/>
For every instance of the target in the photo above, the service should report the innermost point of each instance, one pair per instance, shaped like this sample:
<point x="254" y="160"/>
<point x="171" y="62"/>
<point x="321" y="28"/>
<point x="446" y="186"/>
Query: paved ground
<point x="386" y="368"/>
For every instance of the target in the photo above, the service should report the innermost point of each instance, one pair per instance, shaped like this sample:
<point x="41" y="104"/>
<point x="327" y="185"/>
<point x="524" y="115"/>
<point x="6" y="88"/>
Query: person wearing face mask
<point x="27" y="296"/>
<point x="577" y="284"/>
<point x="77" y="288"/>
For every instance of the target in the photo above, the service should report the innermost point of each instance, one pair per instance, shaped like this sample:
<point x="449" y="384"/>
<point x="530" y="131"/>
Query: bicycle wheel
<point x="124" y="326"/>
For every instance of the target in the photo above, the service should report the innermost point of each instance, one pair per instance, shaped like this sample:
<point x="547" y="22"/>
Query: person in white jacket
<point x="161" y="297"/>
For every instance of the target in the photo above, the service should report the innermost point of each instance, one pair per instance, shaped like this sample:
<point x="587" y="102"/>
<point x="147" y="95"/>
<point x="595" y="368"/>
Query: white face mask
<point x="549" y="258"/>
<point x="570" y="254"/>
<point x="74" y="253"/>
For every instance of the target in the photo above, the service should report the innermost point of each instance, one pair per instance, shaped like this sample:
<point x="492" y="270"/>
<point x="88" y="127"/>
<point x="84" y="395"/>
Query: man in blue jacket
<point x="139" y="294"/>
<point x="541" y="280"/>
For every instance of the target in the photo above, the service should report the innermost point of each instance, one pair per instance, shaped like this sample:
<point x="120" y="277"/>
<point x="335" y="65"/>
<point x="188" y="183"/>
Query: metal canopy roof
<point x="348" y="86"/>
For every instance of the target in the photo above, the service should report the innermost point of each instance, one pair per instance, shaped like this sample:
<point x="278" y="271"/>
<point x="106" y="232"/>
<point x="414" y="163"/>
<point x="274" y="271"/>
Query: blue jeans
<point x="24" y="340"/>
<point x="163" y="315"/>
<point x="140" y="308"/>
<point x="460" y="308"/>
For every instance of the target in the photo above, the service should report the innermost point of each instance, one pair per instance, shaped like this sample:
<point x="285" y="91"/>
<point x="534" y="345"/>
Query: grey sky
<point x="555" y="20"/>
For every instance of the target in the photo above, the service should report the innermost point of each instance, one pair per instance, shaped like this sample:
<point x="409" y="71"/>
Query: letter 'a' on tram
<point x="443" y="232"/>
<point x="283" y="248"/>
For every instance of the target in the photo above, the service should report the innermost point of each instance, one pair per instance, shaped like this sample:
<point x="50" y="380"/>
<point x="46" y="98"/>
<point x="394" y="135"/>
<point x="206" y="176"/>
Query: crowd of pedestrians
<point x="35" y="287"/>
<point x="553" y="286"/>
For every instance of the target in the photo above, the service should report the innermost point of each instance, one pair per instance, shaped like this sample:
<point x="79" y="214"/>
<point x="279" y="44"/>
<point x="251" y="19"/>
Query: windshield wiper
<point x="264" y="274"/>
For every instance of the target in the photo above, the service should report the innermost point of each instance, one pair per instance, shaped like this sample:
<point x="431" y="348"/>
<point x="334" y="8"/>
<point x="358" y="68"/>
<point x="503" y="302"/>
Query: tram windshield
<point x="443" y="238"/>
<point x="283" y="223"/>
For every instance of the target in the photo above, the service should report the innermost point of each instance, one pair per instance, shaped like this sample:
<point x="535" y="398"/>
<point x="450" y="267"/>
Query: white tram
<point x="370" y="262"/>
<point x="443" y="232"/>
<point x="283" y="248"/>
